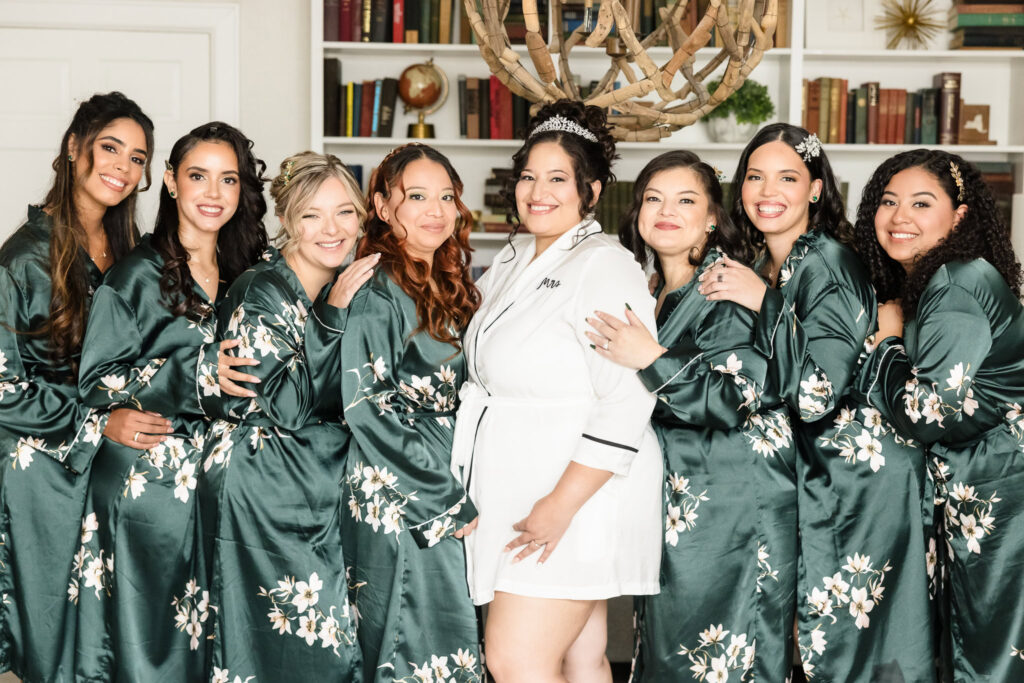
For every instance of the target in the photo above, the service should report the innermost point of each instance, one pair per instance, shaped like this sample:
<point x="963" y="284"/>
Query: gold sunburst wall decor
<point x="909" y="23"/>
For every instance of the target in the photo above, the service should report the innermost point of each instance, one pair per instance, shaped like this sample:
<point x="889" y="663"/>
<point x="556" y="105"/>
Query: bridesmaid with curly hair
<point x="948" y="372"/>
<point x="402" y="365"/>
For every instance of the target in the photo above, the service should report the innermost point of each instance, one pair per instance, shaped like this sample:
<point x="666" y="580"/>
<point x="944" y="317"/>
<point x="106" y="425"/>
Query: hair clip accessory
<point x="718" y="174"/>
<point x="954" y="171"/>
<point x="167" y="165"/>
<point x="810" y="148"/>
<point x="560" y="123"/>
<point x="288" y="171"/>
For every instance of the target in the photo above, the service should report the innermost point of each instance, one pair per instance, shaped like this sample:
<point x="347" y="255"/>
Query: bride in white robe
<point x="553" y="442"/>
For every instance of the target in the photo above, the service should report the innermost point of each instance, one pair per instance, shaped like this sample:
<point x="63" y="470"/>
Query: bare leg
<point x="526" y="639"/>
<point x="585" y="662"/>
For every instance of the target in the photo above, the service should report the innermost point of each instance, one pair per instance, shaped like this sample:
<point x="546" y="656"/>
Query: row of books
<point x="413" y="21"/>
<point x="999" y="176"/>
<point x="986" y="24"/>
<point x="488" y="110"/>
<point x="871" y="114"/>
<point x="358" y="109"/>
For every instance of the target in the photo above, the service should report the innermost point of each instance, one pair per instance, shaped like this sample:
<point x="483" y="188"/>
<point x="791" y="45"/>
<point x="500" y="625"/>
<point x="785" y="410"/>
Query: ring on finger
<point x="607" y="344"/>
<point x="720" y="277"/>
<point x="135" y="437"/>
<point x="535" y="544"/>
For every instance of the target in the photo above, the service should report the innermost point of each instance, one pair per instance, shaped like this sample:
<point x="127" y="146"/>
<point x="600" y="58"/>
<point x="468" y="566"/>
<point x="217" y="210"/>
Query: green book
<point x="996" y="20"/>
<point x="435" y="21"/>
<point x="860" y="135"/>
<point x="908" y="124"/>
<point x="826" y="98"/>
<point x="425" y="12"/>
<point x="929" y="116"/>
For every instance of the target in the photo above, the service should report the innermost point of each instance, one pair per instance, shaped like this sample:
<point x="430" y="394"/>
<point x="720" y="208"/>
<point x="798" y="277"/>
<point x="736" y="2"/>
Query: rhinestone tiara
<point x="561" y="123"/>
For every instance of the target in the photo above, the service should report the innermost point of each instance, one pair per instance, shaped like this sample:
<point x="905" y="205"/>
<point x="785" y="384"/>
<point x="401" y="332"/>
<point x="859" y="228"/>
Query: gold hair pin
<point x="288" y="171"/>
<point x="954" y="171"/>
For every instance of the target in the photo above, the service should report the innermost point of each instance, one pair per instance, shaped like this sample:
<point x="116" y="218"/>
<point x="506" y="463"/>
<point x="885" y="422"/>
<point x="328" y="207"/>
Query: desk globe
<point x="423" y="88"/>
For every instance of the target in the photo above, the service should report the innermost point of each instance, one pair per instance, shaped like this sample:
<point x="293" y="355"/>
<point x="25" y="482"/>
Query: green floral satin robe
<point x="728" y="577"/>
<point x="863" y="605"/>
<point x="268" y="493"/>
<point x="408" y="582"/>
<point x="141" y="612"/>
<point x="956" y="382"/>
<point x="49" y="439"/>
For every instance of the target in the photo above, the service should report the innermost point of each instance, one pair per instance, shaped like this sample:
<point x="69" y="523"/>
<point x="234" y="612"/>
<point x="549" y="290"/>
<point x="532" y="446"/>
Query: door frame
<point x="219" y="21"/>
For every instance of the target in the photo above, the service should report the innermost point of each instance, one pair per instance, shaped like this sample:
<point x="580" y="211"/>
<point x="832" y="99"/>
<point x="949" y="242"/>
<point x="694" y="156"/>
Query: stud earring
<point x="70" y="158"/>
<point x="814" y="198"/>
<point x="171" y="192"/>
<point x="712" y="227"/>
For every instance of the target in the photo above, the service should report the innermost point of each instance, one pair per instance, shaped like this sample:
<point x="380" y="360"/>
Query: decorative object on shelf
<point x="974" y="128"/>
<point x="736" y="119"/>
<point x="423" y="88"/>
<point x="909" y="23"/>
<point x="745" y="41"/>
<point x="841" y="24"/>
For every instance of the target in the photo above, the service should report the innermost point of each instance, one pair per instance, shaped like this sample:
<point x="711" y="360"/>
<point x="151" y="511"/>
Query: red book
<point x="874" y="95"/>
<point x="495" y="102"/>
<point x="901" y="116"/>
<point x="398" y="21"/>
<point x="345" y="20"/>
<point x="813" y="106"/>
<point x="356" y="18"/>
<point x="883" y="116"/>
<point x="366" y="109"/>
<point x="507" y="124"/>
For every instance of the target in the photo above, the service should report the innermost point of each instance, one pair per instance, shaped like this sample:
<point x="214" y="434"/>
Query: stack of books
<point x="999" y="176"/>
<point x="615" y="202"/>
<point x="494" y="217"/>
<point x="871" y="114"/>
<point x="414" y="21"/>
<point x="358" y="109"/>
<point x="984" y="24"/>
<point x="489" y="111"/>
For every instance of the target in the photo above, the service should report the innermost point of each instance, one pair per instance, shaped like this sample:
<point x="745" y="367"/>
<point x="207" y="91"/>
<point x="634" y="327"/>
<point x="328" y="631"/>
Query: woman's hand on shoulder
<point x="351" y="279"/>
<point x="542" y="528"/>
<point x="468" y="529"/>
<point x="227" y="375"/>
<point x="136" y="429"/>
<point x="890" y="319"/>
<point x="628" y="343"/>
<point x="729" y="280"/>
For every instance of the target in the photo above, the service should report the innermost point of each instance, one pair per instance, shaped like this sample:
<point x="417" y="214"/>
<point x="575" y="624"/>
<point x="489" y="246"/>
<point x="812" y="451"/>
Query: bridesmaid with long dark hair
<point x="49" y="270"/>
<point x="141" y="611"/>
<point x="860" y="483"/>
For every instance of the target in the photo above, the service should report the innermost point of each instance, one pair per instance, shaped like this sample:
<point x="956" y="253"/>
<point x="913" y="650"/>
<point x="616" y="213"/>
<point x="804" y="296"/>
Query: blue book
<point x="375" y="132"/>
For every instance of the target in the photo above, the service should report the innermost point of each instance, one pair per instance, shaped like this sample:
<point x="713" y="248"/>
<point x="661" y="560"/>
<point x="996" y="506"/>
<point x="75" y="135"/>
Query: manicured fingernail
<point x="251" y="394"/>
<point x="628" y="307"/>
<point x="256" y="380"/>
<point x="540" y="561"/>
<point x="515" y="560"/>
<point x="592" y="346"/>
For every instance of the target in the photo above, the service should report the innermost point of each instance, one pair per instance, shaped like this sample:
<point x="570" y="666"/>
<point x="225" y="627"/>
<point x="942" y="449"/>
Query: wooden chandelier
<point x="632" y="118"/>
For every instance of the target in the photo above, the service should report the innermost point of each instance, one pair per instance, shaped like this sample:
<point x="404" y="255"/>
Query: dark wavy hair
<point x="69" y="277"/>
<point x="725" y="237"/>
<point x="243" y="235"/>
<point x="827" y="214"/>
<point x="980" y="234"/>
<point x="445" y="295"/>
<point x="590" y="160"/>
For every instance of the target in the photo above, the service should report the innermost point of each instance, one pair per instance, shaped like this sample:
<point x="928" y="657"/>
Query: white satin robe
<point x="538" y="397"/>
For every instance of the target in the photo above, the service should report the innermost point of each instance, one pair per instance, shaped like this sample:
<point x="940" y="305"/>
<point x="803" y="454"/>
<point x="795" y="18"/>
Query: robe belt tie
<point x="473" y="401"/>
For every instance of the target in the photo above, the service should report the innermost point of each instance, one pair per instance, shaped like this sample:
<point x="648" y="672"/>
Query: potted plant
<point x="736" y="119"/>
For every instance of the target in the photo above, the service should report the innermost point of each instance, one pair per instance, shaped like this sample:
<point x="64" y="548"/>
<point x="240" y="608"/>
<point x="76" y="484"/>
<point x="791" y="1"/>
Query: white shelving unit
<point x="994" y="77"/>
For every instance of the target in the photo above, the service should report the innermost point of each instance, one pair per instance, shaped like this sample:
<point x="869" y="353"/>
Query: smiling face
<point x="915" y="214"/>
<point x="777" y="190"/>
<point x="328" y="228"/>
<point x="546" y="196"/>
<point x="205" y="187"/>
<point x="421" y="209"/>
<point x="674" y="218"/>
<point x="118" y="160"/>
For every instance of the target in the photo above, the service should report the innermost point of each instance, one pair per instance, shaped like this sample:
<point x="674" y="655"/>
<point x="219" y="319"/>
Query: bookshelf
<point x="989" y="77"/>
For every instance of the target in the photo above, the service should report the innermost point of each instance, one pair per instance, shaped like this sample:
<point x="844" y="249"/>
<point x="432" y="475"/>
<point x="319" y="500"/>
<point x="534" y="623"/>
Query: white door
<point x="46" y="69"/>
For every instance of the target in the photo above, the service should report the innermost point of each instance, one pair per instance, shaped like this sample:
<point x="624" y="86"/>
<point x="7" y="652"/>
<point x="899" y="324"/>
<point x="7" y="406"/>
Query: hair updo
<point x="590" y="160"/>
<point x="298" y="182"/>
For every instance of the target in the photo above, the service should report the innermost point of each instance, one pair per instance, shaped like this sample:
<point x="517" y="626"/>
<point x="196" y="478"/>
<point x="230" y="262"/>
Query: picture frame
<point x="843" y="24"/>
